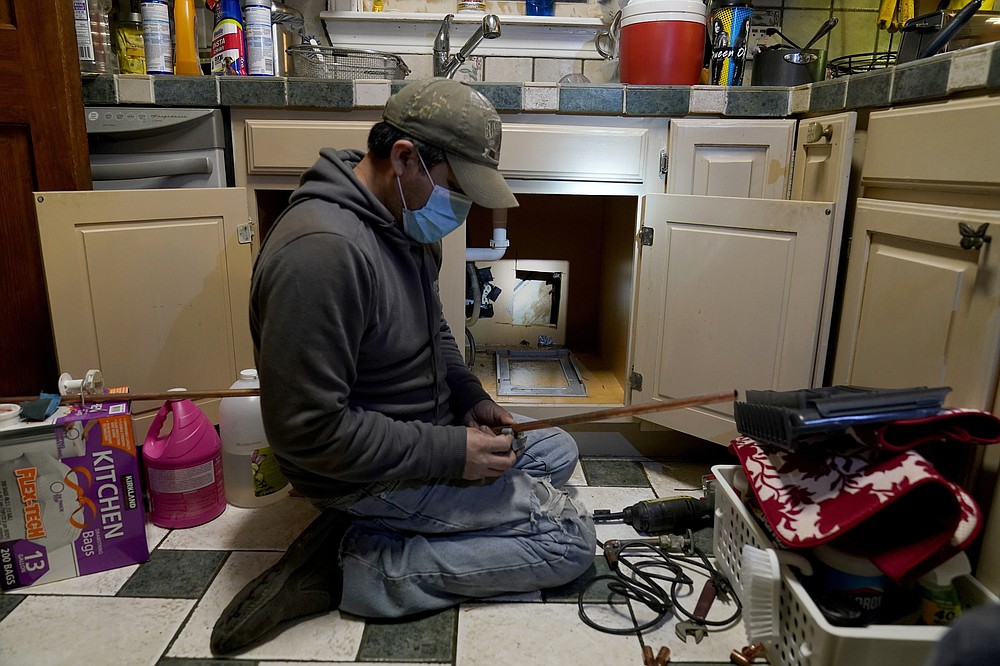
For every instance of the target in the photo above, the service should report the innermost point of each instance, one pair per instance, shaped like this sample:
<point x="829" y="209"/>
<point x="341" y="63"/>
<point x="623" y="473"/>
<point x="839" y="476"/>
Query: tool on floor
<point x="696" y="625"/>
<point x="614" y="412"/>
<point x="659" y="516"/>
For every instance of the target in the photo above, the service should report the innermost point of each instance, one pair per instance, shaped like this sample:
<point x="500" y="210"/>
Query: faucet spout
<point x="442" y="46"/>
<point x="489" y="29"/>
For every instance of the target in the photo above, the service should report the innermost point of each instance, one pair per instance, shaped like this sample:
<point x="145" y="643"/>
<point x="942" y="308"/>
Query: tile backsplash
<point x="856" y="33"/>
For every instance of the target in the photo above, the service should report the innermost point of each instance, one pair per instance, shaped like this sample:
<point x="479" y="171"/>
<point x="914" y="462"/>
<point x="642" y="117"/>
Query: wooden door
<point x="730" y="297"/>
<point x="43" y="146"/>
<point x="824" y="152"/>
<point x="918" y="309"/>
<point x="149" y="286"/>
<point x="730" y="158"/>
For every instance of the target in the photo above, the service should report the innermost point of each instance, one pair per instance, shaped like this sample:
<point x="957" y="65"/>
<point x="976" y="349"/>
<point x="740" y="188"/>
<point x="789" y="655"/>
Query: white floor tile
<point x="100" y="584"/>
<point x="577" y="478"/>
<point x="270" y="527"/>
<point x="331" y="636"/>
<point x="96" y="630"/>
<point x="613" y="499"/>
<point x="537" y="634"/>
<point x="672" y="479"/>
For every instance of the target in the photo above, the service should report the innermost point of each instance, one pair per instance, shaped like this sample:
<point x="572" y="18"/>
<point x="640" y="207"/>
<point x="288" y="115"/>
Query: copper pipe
<point x="124" y="397"/>
<point x="632" y="410"/>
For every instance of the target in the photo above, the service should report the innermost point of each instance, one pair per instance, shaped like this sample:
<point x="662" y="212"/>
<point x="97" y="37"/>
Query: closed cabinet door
<point x="149" y="286"/>
<point x="730" y="296"/>
<point x="919" y="310"/>
<point x="730" y="158"/>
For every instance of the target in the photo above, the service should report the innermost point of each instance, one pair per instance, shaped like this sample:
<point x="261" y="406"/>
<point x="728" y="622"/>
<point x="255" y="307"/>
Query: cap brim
<point x="483" y="184"/>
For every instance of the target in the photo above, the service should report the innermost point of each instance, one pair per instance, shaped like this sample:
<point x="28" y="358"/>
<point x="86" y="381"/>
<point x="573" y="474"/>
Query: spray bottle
<point x="229" y="56"/>
<point x="183" y="467"/>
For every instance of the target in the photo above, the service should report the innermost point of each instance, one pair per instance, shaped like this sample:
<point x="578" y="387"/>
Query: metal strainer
<point x="326" y="62"/>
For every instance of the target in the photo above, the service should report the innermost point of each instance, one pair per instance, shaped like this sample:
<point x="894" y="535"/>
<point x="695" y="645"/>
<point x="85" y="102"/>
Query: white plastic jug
<point x="253" y="477"/>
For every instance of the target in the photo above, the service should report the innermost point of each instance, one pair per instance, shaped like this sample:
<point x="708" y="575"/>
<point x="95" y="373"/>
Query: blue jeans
<point x="423" y="546"/>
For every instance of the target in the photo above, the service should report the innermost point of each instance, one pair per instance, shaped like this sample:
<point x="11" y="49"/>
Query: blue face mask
<point x="444" y="212"/>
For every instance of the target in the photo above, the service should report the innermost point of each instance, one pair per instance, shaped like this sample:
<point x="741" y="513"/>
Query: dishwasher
<point x="134" y="148"/>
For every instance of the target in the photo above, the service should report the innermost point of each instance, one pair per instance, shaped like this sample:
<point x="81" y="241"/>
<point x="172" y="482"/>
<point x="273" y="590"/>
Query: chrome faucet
<point x="446" y="65"/>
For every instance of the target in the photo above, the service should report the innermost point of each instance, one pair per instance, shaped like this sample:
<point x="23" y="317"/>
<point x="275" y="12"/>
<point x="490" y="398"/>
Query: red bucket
<point x="662" y="42"/>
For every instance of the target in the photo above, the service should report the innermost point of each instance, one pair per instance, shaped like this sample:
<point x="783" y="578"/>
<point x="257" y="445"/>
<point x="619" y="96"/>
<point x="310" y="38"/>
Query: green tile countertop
<point x="974" y="70"/>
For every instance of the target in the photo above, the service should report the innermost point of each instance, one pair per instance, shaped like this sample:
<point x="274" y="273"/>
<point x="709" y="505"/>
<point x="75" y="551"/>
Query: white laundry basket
<point x="805" y="638"/>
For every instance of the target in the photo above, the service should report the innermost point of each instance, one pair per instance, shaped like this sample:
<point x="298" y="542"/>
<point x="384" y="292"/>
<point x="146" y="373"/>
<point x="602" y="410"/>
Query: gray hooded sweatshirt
<point x="361" y="379"/>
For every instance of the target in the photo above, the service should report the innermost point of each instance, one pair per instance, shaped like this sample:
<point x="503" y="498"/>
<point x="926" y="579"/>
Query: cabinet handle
<point x="816" y="131"/>
<point x="973" y="239"/>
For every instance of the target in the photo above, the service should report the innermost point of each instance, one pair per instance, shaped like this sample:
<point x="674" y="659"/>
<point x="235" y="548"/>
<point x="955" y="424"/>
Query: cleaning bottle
<point x="184" y="474"/>
<point x="253" y="477"/>
<point x="939" y="600"/>
<point x="258" y="37"/>
<point x="229" y="55"/>
<point x="156" y="37"/>
<point x="186" y="51"/>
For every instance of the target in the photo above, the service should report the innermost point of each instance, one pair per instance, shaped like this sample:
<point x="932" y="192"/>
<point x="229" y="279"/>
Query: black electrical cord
<point x="640" y="584"/>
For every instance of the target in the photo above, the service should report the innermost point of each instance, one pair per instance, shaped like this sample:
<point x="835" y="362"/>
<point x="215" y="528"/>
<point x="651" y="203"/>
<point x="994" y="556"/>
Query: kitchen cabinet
<point x="149" y="286"/>
<point x="919" y="308"/>
<point x="730" y="158"/>
<point x="921" y="303"/>
<point x="738" y="293"/>
<point x="729" y="297"/>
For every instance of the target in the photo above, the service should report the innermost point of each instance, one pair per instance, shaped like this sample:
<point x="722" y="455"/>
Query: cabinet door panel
<point x="149" y="286"/>
<point x="730" y="297"/>
<point x="737" y="158"/>
<point x="919" y="309"/>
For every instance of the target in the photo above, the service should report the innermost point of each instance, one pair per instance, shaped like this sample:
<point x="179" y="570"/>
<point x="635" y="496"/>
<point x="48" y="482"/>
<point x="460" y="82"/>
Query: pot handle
<point x="943" y="37"/>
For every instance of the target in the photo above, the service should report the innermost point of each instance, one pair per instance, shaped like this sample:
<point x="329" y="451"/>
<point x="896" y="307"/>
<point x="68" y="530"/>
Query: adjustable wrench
<point x="696" y="626"/>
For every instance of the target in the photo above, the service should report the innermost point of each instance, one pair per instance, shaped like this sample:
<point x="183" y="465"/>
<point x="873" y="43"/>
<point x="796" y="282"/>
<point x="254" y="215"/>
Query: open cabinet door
<point x="824" y="153"/>
<point x="149" y="286"/>
<point x="730" y="296"/>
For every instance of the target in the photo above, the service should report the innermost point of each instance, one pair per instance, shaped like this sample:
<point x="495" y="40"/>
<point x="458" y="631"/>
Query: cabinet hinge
<point x="664" y="162"/>
<point x="244" y="232"/>
<point x="635" y="381"/>
<point x="646" y="236"/>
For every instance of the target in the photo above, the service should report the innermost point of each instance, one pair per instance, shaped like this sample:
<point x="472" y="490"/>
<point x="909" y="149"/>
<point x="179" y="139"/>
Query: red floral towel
<point x="957" y="425"/>
<point x="906" y="516"/>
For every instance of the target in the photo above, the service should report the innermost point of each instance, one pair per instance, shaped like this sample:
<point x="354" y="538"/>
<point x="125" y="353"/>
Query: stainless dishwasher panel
<point x="153" y="148"/>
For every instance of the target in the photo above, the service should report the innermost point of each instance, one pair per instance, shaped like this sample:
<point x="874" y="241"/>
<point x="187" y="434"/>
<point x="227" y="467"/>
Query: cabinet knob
<point x="816" y="131"/>
<point x="973" y="239"/>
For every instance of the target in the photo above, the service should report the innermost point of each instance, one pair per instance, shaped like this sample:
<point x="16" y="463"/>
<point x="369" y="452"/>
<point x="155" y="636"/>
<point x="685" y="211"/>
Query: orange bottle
<point x="186" y="59"/>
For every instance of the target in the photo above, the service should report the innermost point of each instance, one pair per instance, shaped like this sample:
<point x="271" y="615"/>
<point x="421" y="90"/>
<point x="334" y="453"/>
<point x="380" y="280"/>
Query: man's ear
<point x="400" y="156"/>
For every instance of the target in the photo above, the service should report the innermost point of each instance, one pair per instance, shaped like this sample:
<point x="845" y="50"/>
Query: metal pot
<point x="788" y="67"/>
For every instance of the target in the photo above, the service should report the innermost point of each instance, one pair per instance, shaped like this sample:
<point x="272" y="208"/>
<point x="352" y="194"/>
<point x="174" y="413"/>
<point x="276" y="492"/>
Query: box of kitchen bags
<point x="70" y="499"/>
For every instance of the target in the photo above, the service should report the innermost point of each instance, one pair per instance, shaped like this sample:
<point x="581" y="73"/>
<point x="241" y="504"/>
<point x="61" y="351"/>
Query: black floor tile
<point x="622" y="473"/>
<point x="9" y="602"/>
<point x="429" y="638"/>
<point x="175" y="574"/>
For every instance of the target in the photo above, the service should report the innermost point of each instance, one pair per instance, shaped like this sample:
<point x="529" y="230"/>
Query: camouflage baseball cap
<point x="460" y="121"/>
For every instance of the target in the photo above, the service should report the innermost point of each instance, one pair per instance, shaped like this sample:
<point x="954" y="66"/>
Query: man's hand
<point x="487" y="455"/>
<point x="488" y="413"/>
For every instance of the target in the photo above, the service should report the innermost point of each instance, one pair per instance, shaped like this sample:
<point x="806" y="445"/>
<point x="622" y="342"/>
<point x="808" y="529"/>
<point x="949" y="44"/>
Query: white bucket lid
<point x="637" y="9"/>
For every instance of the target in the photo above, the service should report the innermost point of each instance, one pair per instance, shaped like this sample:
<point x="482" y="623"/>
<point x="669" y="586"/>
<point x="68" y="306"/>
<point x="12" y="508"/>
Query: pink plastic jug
<point x="183" y="468"/>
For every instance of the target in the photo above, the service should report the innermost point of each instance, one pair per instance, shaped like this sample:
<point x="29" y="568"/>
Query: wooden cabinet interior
<point x="595" y="235"/>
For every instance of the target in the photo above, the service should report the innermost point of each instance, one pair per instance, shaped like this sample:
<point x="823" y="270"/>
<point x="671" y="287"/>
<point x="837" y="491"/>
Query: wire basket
<point x="326" y="62"/>
<point x="855" y="63"/>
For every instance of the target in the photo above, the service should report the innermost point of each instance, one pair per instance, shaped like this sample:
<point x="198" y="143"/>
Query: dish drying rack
<point x="327" y="62"/>
<point x="804" y="636"/>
